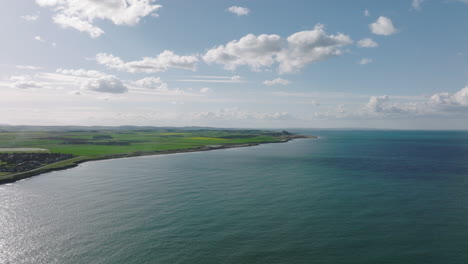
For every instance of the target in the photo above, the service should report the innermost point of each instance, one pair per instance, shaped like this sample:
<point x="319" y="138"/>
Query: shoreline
<point x="74" y="162"/>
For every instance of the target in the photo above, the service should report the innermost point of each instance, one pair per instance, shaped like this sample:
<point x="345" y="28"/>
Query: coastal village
<point x="21" y="162"/>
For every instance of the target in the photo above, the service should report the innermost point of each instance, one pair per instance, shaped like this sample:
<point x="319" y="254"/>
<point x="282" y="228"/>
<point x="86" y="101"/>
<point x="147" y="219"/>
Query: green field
<point x="96" y="143"/>
<point x="102" y="144"/>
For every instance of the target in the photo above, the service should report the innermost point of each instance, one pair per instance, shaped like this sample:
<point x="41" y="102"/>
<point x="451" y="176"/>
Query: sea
<point x="349" y="196"/>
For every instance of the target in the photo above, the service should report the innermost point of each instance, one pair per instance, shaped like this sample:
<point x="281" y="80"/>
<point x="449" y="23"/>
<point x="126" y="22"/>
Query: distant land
<point x="26" y="151"/>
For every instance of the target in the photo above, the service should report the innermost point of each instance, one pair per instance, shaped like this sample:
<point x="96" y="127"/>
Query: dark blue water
<point x="347" y="197"/>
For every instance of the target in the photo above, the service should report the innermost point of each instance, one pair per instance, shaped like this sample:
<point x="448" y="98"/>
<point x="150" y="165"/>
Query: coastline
<point x="74" y="162"/>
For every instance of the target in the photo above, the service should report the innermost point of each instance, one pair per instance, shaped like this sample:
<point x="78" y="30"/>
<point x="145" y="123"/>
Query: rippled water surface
<point x="347" y="197"/>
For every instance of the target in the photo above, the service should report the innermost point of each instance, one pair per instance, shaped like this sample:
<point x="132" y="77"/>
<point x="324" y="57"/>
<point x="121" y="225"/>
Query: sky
<point x="235" y="63"/>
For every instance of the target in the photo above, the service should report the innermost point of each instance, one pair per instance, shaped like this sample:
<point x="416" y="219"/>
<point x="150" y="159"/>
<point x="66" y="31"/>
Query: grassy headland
<point x="67" y="147"/>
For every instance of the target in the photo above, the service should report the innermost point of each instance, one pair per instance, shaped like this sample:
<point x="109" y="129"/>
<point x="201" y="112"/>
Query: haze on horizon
<point x="237" y="63"/>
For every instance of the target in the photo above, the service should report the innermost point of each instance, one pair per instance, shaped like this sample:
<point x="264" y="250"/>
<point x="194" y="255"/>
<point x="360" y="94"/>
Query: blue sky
<point x="263" y="63"/>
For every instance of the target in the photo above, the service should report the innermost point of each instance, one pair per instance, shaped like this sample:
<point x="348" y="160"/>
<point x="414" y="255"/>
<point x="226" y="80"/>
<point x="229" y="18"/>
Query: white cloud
<point x="365" y="61"/>
<point x="24" y="82"/>
<point x="299" y="50"/>
<point x="105" y="84"/>
<point x="81" y="73"/>
<point x="376" y="103"/>
<point x="80" y="14"/>
<point x="236" y="78"/>
<point x="238" y="10"/>
<point x="73" y="80"/>
<point x="26" y="85"/>
<point x="154" y="83"/>
<point x="341" y="109"/>
<point x="253" y="51"/>
<point x="214" y="79"/>
<point x="383" y="26"/>
<point x="277" y="81"/>
<point x="366" y="12"/>
<point x="205" y="90"/>
<point x="91" y="80"/>
<point x="307" y="47"/>
<point x="28" y="67"/>
<point x="416" y="4"/>
<point x="30" y="17"/>
<point x="381" y="105"/>
<point x="162" y="62"/>
<point x="235" y="114"/>
<point x="459" y="98"/>
<point x="437" y="104"/>
<point x="78" y="24"/>
<point x="367" y="43"/>
<point x="321" y="95"/>
<point x="277" y="116"/>
<point x="48" y="2"/>
<point x="39" y="38"/>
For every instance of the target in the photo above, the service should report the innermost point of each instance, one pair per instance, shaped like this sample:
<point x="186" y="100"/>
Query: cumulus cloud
<point x="416" y="4"/>
<point x="277" y="116"/>
<point x="376" y="103"/>
<point x="78" y="24"/>
<point x="292" y="54"/>
<point x="341" y="109"/>
<point x="365" y="61"/>
<point x="236" y="78"/>
<point x="91" y="80"/>
<point x="307" y="47"/>
<point x="214" y="79"/>
<point x="80" y="14"/>
<point x="24" y="82"/>
<point x="39" y="38"/>
<point x="81" y="73"/>
<point x="437" y="104"/>
<point x="238" y="10"/>
<point x="253" y="51"/>
<point x="383" y="26"/>
<point x="73" y="80"/>
<point x="236" y="114"/>
<point x="153" y="83"/>
<point x="205" y="90"/>
<point x="105" y="84"/>
<point x="367" y="43"/>
<point x="383" y="105"/>
<point x="28" y="67"/>
<point x="162" y="62"/>
<point x="30" y="17"/>
<point x="277" y="81"/>
<point x="459" y="98"/>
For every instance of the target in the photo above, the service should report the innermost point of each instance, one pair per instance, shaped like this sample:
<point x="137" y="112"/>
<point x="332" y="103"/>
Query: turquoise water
<point x="347" y="197"/>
